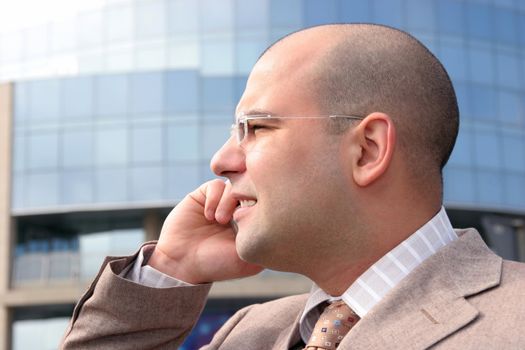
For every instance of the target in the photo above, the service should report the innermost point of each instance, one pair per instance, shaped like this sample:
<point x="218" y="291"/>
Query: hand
<point x="197" y="242"/>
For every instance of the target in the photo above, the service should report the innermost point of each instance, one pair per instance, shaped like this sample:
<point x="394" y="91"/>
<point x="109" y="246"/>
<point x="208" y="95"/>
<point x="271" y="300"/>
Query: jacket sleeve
<point x="116" y="313"/>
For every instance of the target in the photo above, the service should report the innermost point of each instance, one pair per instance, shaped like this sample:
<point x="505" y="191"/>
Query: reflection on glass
<point x="45" y="99"/>
<point x="147" y="183"/>
<point x="146" y="144"/>
<point x="182" y="91"/>
<point x="146" y="92"/>
<point x="112" y="146"/>
<point x="479" y="21"/>
<point x="487" y="149"/>
<point x="43" y="151"/>
<point x="42" y="189"/>
<point x="388" y="12"/>
<point x="39" y="333"/>
<point x="217" y="94"/>
<point x="77" y="97"/>
<point x="111" y="92"/>
<point x="459" y="185"/>
<point x="111" y="185"/>
<point x="320" y="12"/>
<point x="77" y="148"/>
<point x="489" y="187"/>
<point x="183" y="142"/>
<point x="77" y="186"/>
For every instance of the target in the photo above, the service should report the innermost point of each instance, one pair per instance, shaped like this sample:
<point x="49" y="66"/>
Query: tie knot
<point x="334" y="323"/>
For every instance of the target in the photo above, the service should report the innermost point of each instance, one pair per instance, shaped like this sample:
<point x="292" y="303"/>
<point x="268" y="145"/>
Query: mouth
<point x="245" y="203"/>
<point x="243" y="208"/>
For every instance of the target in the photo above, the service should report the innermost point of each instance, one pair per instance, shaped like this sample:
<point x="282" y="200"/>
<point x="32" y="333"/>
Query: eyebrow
<point x="258" y="111"/>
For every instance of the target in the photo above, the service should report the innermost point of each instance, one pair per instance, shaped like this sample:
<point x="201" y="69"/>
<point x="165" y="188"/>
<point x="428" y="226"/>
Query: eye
<point x="255" y="126"/>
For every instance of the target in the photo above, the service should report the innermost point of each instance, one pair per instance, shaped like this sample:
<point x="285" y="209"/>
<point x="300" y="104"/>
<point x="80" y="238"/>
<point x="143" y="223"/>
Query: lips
<point x="245" y="205"/>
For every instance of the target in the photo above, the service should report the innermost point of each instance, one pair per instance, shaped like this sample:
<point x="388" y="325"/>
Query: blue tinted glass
<point x="487" y="150"/>
<point x="454" y="60"/>
<point x="213" y="137"/>
<point x="77" y="97"/>
<point x="514" y="190"/>
<point x="182" y="91"/>
<point x="183" y="17"/>
<point x="150" y="17"/>
<point x="77" y="186"/>
<point x="421" y="15"/>
<point x="247" y="51"/>
<point x="481" y="66"/>
<point x="21" y="101"/>
<point x="240" y="85"/>
<point x="182" y="179"/>
<point x="111" y="184"/>
<point x="483" y="102"/>
<point x="508" y="71"/>
<point x="286" y="14"/>
<point x="77" y="148"/>
<point x="146" y="93"/>
<point x="389" y="12"/>
<point x="42" y="189"/>
<point x="479" y="20"/>
<point x="459" y="185"/>
<point x="355" y="11"/>
<point x="19" y="188"/>
<point x="514" y="151"/>
<point x="450" y="16"/>
<point x="183" y="142"/>
<point x="506" y="26"/>
<point x="462" y="154"/>
<point x="217" y="94"/>
<point x="320" y="12"/>
<point x="111" y="93"/>
<point x="146" y="144"/>
<point x="43" y="151"/>
<point x="112" y="146"/>
<point x="19" y="152"/>
<point x="251" y="15"/>
<point x="489" y="187"/>
<point x="45" y="99"/>
<point x="462" y="95"/>
<point x="147" y="183"/>
<point x="521" y="27"/>
<point x="511" y="107"/>
<point x="216" y="16"/>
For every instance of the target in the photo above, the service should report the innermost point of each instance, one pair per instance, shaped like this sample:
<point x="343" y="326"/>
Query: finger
<point x="226" y="206"/>
<point x="214" y="192"/>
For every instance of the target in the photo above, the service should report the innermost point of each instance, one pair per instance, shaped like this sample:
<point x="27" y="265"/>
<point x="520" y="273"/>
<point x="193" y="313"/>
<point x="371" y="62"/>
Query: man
<point x="334" y="170"/>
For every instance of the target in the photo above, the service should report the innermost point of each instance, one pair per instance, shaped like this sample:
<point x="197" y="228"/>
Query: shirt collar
<point x="369" y="288"/>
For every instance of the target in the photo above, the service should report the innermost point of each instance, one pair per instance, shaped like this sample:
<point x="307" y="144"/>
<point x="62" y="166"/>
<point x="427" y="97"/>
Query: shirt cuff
<point x="148" y="276"/>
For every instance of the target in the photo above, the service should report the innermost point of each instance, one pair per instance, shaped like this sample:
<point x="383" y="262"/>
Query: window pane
<point x="39" y="334"/>
<point x="217" y="94"/>
<point x="218" y="56"/>
<point x="90" y="26"/>
<point x="481" y="66"/>
<point x="183" y="142"/>
<point x="217" y="16"/>
<point x="388" y="12"/>
<point x="514" y="190"/>
<point x="183" y="17"/>
<point x="462" y="154"/>
<point x="511" y="108"/>
<point x="78" y="97"/>
<point x="454" y="60"/>
<point x="77" y="186"/>
<point x="77" y="148"/>
<point x="43" y="151"/>
<point x="247" y="51"/>
<point x="36" y="41"/>
<point x="514" y="151"/>
<point x="318" y="12"/>
<point x="286" y="14"/>
<point x="487" y="150"/>
<point x="450" y="16"/>
<point x="483" y="102"/>
<point x="19" y="151"/>
<point x="508" y="71"/>
<point x="42" y="189"/>
<point x="489" y="187"/>
<point x="146" y="93"/>
<point x="45" y="99"/>
<point x="506" y="26"/>
<point x="182" y="179"/>
<point x="251" y="16"/>
<point x="479" y="21"/>
<point x="182" y="91"/>
<point x="147" y="183"/>
<point x="111" y="185"/>
<point x="21" y="102"/>
<point x="355" y="11"/>
<point x="213" y="138"/>
<point x="459" y="185"/>
<point x="111" y="94"/>
<point x="150" y="19"/>
<point x="146" y="144"/>
<point x="112" y="146"/>
<point x="420" y="15"/>
<point x="120" y="23"/>
<point x="63" y="35"/>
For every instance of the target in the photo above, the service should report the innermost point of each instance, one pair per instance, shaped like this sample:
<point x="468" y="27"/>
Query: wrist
<point x="171" y="267"/>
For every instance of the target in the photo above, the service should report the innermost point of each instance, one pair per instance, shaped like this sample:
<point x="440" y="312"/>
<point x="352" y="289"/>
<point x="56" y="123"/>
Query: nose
<point x="229" y="159"/>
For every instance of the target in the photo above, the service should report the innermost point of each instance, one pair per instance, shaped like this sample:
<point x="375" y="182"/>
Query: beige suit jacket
<point x="463" y="297"/>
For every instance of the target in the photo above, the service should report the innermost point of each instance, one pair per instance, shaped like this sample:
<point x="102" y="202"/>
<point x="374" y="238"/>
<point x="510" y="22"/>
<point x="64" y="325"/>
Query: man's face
<point x="288" y="176"/>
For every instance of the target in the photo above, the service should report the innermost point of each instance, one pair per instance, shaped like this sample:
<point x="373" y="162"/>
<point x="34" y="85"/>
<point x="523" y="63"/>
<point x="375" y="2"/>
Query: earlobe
<point x="376" y="140"/>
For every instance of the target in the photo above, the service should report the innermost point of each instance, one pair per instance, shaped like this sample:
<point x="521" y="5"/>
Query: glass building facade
<point x="119" y="106"/>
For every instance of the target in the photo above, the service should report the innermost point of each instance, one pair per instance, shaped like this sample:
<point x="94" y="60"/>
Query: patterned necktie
<point x="334" y="323"/>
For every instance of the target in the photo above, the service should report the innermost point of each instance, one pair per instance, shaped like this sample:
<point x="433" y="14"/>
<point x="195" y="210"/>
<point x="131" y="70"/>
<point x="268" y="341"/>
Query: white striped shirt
<point x="385" y="274"/>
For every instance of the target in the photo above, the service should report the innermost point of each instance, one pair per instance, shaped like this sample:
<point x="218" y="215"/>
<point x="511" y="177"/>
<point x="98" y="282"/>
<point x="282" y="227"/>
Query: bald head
<point x="359" y="69"/>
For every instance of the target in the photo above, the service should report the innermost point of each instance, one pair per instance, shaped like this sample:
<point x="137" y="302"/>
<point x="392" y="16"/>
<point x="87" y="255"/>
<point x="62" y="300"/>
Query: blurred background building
<point x="110" y="111"/>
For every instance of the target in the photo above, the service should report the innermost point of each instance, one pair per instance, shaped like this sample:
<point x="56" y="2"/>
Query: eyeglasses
<point x="242" y="128"/>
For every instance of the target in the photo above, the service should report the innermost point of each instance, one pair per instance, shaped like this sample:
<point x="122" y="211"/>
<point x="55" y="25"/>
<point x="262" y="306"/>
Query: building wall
<point x="118" y="108"/>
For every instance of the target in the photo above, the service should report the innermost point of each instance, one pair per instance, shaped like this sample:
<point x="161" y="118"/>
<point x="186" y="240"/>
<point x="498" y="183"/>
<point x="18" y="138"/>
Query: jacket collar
<point x="430" y="303"/>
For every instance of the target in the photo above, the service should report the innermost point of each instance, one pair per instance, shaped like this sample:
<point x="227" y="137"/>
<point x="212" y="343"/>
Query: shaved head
<point x="359" y="69"/>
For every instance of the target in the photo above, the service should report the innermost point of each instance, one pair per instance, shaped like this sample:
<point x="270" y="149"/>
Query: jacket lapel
<point x="430" y="303"/>
<point x="290" y="336"/>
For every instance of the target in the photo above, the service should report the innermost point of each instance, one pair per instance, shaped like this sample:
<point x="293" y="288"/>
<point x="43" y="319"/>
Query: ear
<point x="375" y="139"/>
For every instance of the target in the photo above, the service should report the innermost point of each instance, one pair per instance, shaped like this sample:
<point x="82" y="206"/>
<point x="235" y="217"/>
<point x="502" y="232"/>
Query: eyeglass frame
<point x="243" y="119"/>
